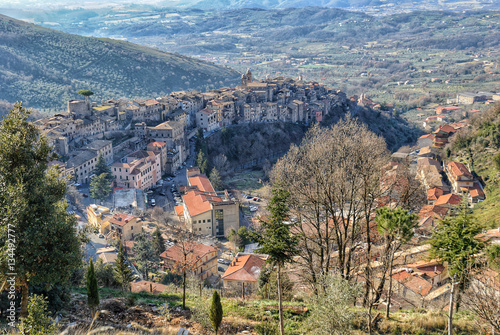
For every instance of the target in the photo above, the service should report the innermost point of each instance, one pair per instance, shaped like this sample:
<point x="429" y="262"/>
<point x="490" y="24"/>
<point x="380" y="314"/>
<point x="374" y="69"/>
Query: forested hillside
<point x="44" y="68"/>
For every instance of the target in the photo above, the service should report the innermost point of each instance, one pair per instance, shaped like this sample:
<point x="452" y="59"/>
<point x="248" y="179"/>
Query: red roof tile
<point x="448" y="199"/>
<point x="244" y="268"/>
<point x="459" y="169"/>
<point x="121" y="219"/>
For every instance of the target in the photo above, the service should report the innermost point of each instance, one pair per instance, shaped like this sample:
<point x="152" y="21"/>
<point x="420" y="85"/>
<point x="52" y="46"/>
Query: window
<point x="203" y="221"/>
<point x="131" y="227"/>
<point x="208" y="220"/>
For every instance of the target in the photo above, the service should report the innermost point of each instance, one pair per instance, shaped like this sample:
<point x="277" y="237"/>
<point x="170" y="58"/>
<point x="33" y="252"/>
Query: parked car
<point x="153" y="202"/>
<point x="101" y="236"/>
<point x="221" y="260"/>
<point x="253" y="209"/>
<point x="255" y="199"/>
<point x="162" y="193"/>
<point x="85" y="195"/>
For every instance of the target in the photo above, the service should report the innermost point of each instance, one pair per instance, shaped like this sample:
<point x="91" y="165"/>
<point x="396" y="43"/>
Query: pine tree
<point x="216" y="312"/>
<point x="123" y="274"/>
<point x="101" y="167"/>
<point x="33" y="206"/>
<point x="216" y="180"/>
<point x="145" y="255"/>
<point x="201" y="162"/>
<point x="397" y="226"/>
<point x="158" y="242"/>
<point x="277" y="241"/>
<point x="454" y="241"/>
<point x="92" y="288"/>
<point x="100" y="187"/>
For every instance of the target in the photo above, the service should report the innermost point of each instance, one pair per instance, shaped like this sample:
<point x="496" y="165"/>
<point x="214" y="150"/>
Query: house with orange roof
<point x="422" y="283"/>
<point x="476" y="193"/>
<point x="433" y="195"/>
<point x="206" y="211"/>
<point x="121" y="225"/>
<point x="243" y="273"/>
<point x="459" y="176"/>
<point x="446" y="110"/>
<point x="437" y="212"/>
<point x="448" y="200"/>
<point x="442" y="134"/>
<point x="198" y="259"/>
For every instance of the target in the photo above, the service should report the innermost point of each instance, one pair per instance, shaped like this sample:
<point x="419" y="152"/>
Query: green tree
<point x="101" y="167"/>
<point x="92" y="288"/>
<point x="454" y="242"/>
<point x="276" y="240"/>
<point x="38" y="322"/>
<point x="158" y="242"/>
<point x="331" y="312"/>
<point x="216" y="312"/>
<point x="216" y="180"/>
<point x="86" y="93"/>
<point x="100" y="187"/>
<point x="145" y="255"/>
<point x="33" y="209"/>
<point x="201" y="162"/>
<point x="123" y="274"/>
<point x="397" y="227"/>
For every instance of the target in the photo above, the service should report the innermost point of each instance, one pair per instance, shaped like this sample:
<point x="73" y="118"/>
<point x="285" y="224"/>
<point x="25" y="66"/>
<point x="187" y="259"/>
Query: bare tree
<point x="334" y="178"/>
<point x="482" y="298"/>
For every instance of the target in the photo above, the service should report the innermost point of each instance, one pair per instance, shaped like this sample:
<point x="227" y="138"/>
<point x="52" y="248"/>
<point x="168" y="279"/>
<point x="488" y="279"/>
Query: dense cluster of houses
<point x="87" y="130"/>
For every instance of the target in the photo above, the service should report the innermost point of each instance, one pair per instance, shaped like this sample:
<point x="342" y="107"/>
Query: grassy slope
<point x="250" y="313"/>
<point x="44" y="68"/>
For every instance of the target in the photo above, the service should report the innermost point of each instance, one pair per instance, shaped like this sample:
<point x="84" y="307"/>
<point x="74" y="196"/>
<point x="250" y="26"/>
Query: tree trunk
<point x="280" y="304"/>
<point x="243" y="290"/>
<point x="24" y="298"/>
<point x="184" y="289"/>
<point x="389" y="292"/>
<point x="370" y="330"/>
<point x="450" y="309"/>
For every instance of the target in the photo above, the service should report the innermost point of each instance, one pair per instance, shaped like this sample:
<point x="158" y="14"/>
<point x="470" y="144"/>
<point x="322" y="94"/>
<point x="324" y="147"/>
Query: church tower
<point x="244" y="80"/>
<point x="249" y="76"/>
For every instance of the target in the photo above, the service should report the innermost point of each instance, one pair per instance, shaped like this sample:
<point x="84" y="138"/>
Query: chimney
<point x="435" y="269"/>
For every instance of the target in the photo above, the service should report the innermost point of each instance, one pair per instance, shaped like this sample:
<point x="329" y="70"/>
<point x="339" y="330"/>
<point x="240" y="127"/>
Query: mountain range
<point x="44" y="68"/>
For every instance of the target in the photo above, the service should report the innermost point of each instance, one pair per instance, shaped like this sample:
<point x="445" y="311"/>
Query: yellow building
<point x="96" y="215"/>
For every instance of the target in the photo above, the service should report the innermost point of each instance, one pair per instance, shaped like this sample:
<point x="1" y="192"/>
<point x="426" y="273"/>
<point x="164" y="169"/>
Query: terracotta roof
<point x="147" y="286"/>
<point x="448" y="199"/>
<point x="202" y="182"/>
<point x="244" y="268"/>
<point x="437" y="212"/>
<point x="490" y="278"/>
<point x="459" y="169"/>
<point x="418" y="285"/>
<point x="431" y="136"/>
<point x="194" y="250"/>
<point x="121" y="219"/>
<point x="434" y="193"/>
<point x="197" y="202"/>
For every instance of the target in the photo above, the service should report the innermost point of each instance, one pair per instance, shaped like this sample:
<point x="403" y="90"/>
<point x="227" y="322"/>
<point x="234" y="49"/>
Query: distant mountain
<point x="44" y="67"/>
<point x="383" y="5"/>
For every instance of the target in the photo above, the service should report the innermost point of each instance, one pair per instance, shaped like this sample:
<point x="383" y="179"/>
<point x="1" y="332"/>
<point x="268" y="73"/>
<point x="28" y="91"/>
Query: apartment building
<point x="208" y="212"/>
<point x="141" y="170"/>
<point x="459" y="176"/>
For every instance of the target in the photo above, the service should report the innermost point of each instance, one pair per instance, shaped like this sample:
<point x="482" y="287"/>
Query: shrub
<point x="38" y="321"/>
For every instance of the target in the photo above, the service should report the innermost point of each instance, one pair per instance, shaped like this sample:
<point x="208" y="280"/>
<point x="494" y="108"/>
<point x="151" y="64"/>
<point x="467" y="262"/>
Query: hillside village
<point x="146" y="143"/>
